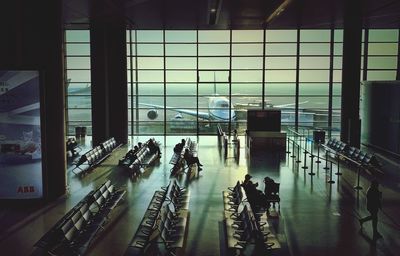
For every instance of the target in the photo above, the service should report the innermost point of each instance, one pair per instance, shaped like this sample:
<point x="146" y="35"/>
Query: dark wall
<point x="380" y="111"/>
<point x="32" y="38"/>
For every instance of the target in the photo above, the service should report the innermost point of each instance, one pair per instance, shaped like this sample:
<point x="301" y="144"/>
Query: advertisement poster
<point x="20" y="139"/>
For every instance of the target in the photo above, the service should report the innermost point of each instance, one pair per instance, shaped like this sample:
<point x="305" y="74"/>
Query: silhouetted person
<point x="374" y="197"/>
<point x="153" y="147"/>
<point x="178" y="147"/>
<point x="256" y="197"/>
<point x="190" y="159"/>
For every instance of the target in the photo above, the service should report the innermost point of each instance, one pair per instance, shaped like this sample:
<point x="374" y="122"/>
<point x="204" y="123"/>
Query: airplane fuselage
<point x="220" y="109"/>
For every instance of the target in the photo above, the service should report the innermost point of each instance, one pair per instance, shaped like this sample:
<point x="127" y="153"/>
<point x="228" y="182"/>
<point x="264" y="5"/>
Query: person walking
<point x="374" y="197"/>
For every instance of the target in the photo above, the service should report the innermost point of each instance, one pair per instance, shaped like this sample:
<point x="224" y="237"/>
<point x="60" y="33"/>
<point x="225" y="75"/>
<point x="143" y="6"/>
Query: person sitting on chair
<point x="256" y="197"/>
<point x="178" y="147"/>
<point x="190" y="159"/>
<point x="153" y="147"/>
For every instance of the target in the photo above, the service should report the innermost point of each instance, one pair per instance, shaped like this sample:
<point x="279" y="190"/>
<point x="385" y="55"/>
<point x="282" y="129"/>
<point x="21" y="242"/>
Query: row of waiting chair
<point x="95" y="156"/>
<point x="74" y="233"/>
<point x="353" y="153"/>
<point x="244" y="227"/>
<point x="134" y="162"/>
<point x="164" y="222"/>
<point x="177" y="159"/>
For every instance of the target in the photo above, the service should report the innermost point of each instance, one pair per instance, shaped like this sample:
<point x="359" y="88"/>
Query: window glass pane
<point x="181" y="63"/>
<point x="181" y="89"/>
<point x="79" y="114"/>
<point x="280" y="49"/>
<point x="79" y="101"/>
<point x="382" y="48"/>
<point x="247" y="89"/>
<point x="181" y="76"/>
<point x="78" y="49"/>
<point x="214" y="76"/>
<point x="314" y="49"/>
<point x="180" y="36"/>
<point x="338" y="49"/>
<point x="337" y="75"/>
<point x="247" y="63"/>
<point x="314" y="89"/>
<point x="150" y="62"/>
<point x="186" y="102"/>
<point x="338" y="35"/>
<point x="247" y="49"/>
<point x="383" y="35"/>
<point x="382" y="62"/>
<point x="208" y="89"/>
<point x="314" y="75"/>
<point x="280" y="89"/>
<point x="381" y="75"/>
<point x="150" y="89"/>
<point x="180" y="49"/>
<point x="247" y="35"/>
<point x="246" y="76"/>
<point x="150" y="76"/>
<point x="214" y="36"/>
<point x="78" y="89"/>
<point x="280" y="63"/>
<point x="77" y="36"/>
<point x="337" y="62"/>
<point x="78" y="62"/>
<point x="150" y="49"/>
<point x="280" y="75"/>
<point x="149" y="36"/>
<point x="315" y="35"/>
<point x="214" y="63"/>
<point x="78" y="75"/>
<point x="214" y="49"/>
<point x="281" y="35"/>
<point x="314" y="62"/>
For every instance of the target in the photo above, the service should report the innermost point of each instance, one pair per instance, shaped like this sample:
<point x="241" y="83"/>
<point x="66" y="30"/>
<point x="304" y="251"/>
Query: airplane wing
<point x="203" y="115"/>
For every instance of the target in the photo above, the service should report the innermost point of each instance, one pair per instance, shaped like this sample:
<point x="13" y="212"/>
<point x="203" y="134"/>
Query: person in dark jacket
<point x="153" y="147"/>
<point x="374" y="197"/>
<point x="190" y="159"/>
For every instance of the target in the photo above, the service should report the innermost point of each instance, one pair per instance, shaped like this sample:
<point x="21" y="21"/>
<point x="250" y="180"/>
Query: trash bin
<point x="319" y="136"/>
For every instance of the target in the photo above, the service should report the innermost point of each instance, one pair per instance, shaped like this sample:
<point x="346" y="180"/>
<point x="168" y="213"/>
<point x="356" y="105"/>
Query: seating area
<point x="352" y="155"/>
<point x="75" y="232"/>
<point x="95" y="156"/>
<point x="164" y="224"/>
<point x="136" y="160"/>
<point x="246" y="230"/>
<point x="178" y="161"/>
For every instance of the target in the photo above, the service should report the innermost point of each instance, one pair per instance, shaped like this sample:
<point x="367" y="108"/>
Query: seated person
<point x="268" y="190"/>
<point x="153" y="147"/>
<point x="140" y="144"/>
<point x="256" y="197"/>
<point x="190" y="159"/>
<point x="178" y="147"/>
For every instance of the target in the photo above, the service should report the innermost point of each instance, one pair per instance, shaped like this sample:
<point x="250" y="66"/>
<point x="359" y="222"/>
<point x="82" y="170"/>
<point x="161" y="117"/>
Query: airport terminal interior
<point x="209" y="127"/>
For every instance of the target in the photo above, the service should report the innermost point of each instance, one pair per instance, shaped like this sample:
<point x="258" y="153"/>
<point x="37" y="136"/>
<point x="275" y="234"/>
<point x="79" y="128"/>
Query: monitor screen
<point x="20" y="135"/>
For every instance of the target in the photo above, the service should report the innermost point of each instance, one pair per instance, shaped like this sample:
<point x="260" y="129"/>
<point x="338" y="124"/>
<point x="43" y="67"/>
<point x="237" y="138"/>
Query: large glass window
<point x="78" y="87"/>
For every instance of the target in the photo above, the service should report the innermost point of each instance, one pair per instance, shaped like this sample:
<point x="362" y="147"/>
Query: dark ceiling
<point x="234" y="14"/>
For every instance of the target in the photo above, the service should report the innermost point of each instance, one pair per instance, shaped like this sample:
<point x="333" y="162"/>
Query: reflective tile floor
<point x="315" y="218"/>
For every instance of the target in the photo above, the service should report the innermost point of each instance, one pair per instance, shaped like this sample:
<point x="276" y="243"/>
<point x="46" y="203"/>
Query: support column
<point x="32" y="38"/>
<point x="108" y="73"/>
<point x="350" y="121"/>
